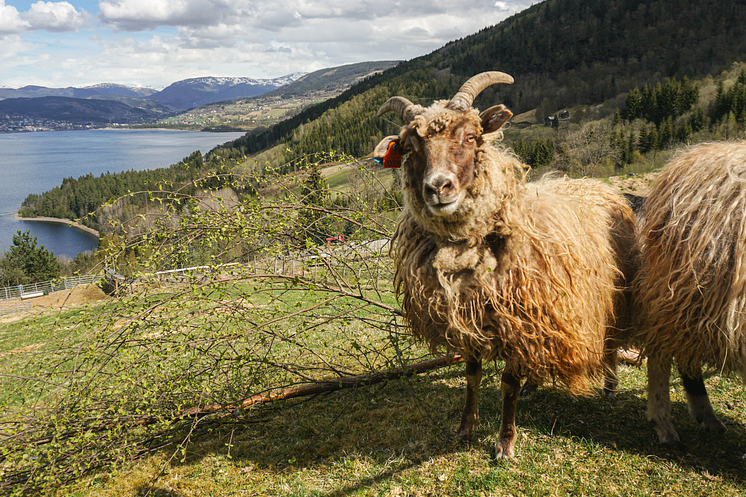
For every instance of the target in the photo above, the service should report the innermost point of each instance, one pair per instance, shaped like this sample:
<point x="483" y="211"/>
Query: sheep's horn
<point x="476" y="84"/>
<point x="401" y="106"/>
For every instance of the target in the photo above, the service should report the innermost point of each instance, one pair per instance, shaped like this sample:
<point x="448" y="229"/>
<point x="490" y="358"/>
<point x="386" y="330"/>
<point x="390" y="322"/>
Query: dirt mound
<point x="81" y="294"/>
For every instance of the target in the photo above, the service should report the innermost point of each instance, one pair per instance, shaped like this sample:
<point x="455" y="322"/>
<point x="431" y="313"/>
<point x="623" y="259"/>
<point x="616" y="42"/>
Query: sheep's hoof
<point x="712" y="424"/>
<point x="504" y="450"/>
<point x="667" y="435"/>
<point x="464" y="432"/>
<point x="463" y="435"/>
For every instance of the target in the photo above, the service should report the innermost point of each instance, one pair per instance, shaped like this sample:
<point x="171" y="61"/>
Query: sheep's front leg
<point x="699" y="403"/>
<point x="470" y="417"/>
<point x="659" y="400"/>
<point x="510" y="386"/>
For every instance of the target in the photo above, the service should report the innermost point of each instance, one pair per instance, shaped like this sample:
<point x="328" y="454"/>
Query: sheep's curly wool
<point x="531" y="274"/>
<point x="692" y="282"/>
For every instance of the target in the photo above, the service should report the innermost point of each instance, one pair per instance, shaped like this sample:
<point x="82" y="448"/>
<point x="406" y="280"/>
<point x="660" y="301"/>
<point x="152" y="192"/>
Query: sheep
<point x="691" y="284"/>
<point x="493" y="267"/>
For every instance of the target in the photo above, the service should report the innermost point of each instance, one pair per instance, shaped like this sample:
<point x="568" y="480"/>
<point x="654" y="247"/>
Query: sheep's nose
<point x="439" y="187"/>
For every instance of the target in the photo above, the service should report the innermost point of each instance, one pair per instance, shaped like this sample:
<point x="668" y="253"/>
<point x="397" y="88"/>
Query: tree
<point x="585" y="149"/>
<point x="24" y="262"/>
<point x="312" y="211"/>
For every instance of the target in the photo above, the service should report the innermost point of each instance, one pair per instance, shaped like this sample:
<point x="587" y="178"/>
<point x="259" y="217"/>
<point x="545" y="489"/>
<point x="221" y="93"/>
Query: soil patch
<point x="80" y="295"/>
<point x="637" y="184"/>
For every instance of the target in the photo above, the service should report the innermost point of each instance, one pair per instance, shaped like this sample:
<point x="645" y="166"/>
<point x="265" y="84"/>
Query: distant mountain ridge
<point x="194" y="92"/>
<point x="178" y="96"/>
<point x="74" y="110"/>
<point x="33" y="91"/>
<point x="113" y="103"/>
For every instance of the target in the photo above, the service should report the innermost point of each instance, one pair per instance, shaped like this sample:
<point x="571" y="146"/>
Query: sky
<point x="153" y="43"/>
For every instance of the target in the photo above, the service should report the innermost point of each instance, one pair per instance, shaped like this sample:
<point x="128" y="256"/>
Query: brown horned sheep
<point x="495" y="268"/>
<point x="692" y="280"/>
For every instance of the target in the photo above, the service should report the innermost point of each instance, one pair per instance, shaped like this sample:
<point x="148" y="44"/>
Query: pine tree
<point x="313" y="199"/>
<point x="643" y="141"/>
<point x="24" y="262"/>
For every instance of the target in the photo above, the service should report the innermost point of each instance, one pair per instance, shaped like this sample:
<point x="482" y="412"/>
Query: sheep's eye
<point x="470" y="138"/>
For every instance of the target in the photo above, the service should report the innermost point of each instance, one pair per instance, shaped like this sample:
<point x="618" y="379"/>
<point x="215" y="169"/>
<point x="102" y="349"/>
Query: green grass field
<point x="397" y="438"/>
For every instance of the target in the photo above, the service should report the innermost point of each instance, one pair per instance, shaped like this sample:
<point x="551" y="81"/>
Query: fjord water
<point x="37" y="162"/>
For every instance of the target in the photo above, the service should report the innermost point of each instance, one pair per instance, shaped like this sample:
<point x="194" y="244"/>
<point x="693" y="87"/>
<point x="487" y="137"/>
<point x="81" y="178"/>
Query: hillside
<point x="77" y="110"/>
<point x="331" y="81"/>
<point x="274" y="106"/>
<point x="561" y="52"/>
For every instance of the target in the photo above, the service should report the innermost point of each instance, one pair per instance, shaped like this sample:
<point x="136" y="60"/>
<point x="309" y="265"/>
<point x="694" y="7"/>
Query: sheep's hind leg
<point x="699" y="403"/>
<point x="659" y="400"/>
<point x="611" y="380"/>
<point x="510" y="387"/>
<point x="470" y="417"/>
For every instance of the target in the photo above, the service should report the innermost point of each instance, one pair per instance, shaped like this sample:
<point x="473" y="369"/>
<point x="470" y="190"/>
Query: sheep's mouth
<point x="443" y="206"/>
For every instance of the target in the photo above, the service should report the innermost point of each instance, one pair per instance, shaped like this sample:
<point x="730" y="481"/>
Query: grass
<point x="397" y="439"/>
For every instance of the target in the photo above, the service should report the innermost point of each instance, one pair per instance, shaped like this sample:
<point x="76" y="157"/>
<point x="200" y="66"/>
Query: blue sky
<point x="156" y="42"/>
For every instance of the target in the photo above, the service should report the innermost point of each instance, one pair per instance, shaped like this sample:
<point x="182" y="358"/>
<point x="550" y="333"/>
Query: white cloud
<point x="55" y="17"/>
<point x="138" y="15"/>
<point x="11" y="21"/>
<point x="156" y="42"/>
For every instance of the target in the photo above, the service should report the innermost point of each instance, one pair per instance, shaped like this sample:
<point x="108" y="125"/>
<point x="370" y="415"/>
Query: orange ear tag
<point x="392" y="158"/>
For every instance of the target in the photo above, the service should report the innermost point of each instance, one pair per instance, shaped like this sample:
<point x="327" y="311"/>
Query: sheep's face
<point x="441" y="155"/>
<point x="440" y="165"/>
<point x="442" y="147"/>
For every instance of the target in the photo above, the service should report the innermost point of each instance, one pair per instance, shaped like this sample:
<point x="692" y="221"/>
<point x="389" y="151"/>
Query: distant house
<point x="549" y="121"/>
<point x="565" y="114"/>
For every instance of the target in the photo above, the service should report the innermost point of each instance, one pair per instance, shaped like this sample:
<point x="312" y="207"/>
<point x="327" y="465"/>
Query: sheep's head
<point x="442" y="145"/>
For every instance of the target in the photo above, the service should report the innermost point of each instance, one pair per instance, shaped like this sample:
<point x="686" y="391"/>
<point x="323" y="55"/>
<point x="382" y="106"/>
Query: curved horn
<point x="474" y="86"/>
<point x="401" y="106"/>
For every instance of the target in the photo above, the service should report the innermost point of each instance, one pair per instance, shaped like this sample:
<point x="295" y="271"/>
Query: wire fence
<point x="358" y="257"/>
<point x="12" y="306"/>
<point x="350" y="259"/>
<point x="45" y="287"/>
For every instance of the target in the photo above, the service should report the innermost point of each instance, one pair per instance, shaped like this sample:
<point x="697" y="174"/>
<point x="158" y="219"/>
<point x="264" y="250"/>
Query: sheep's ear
<point x="493" y="118"/>
<point x="387" y="152"/>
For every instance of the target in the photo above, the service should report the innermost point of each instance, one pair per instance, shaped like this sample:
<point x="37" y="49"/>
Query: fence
<point x="351" y="259"/>
<point x="44" y="287"/>
<point x="11" y="306"/>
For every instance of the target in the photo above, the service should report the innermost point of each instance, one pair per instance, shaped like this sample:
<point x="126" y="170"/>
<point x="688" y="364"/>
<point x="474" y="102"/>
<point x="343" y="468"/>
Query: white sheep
<point x="691" y="285"/>
<point x="486" y="265"/>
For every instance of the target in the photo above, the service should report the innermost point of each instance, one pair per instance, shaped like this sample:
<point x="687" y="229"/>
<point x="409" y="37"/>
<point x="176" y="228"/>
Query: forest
<point x="79" y="198"/>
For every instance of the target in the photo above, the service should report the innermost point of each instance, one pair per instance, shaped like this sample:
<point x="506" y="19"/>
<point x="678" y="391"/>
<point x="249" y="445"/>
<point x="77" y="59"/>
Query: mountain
<point x="269" y="108"/>
<point x="561" y="53"/>
<point x="332" y="80"/>
<point x="194" y="92"/>
<point x="76" y="92"/>
<point x="108" y="103"/>
<point x="75" y="110"/>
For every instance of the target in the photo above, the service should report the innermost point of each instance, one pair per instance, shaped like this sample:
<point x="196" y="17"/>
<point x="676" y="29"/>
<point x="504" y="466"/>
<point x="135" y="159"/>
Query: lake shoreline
<point x="68" y="222"/>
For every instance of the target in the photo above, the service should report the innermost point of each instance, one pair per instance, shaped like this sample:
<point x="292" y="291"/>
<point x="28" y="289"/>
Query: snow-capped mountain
<point x="194" y="92"/>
